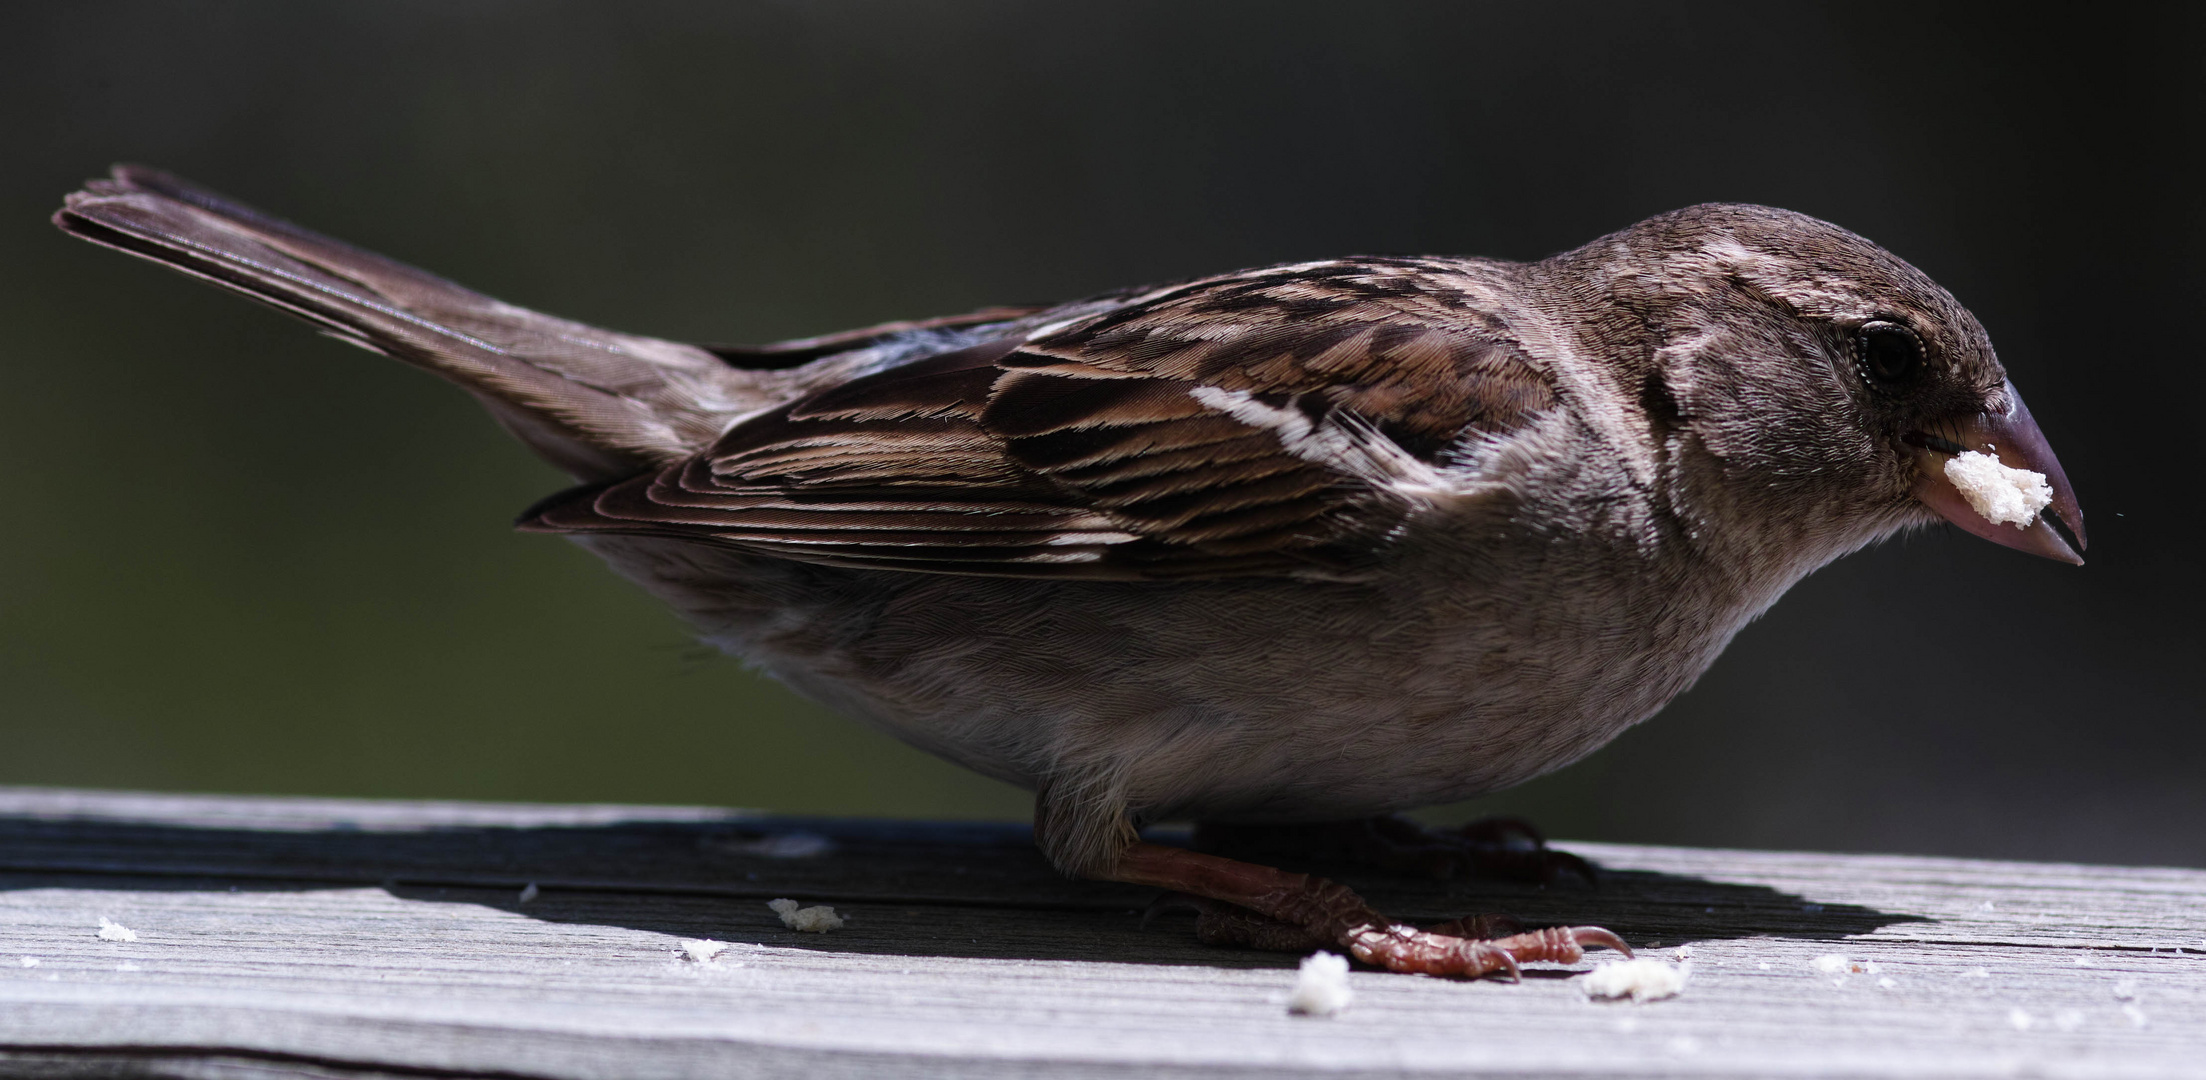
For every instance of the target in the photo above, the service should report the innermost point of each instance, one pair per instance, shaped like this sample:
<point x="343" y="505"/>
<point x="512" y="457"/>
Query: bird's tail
<point x="596" y="403"/>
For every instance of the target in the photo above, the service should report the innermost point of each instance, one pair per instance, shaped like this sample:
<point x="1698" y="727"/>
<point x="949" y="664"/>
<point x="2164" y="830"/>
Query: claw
<point x="1508" y="966"/>
<point x="1596" y="937"/>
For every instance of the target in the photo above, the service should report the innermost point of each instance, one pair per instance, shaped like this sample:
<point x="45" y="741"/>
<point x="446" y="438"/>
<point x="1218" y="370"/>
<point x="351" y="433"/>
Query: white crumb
<point x="1644" y="979"/>
<point x="29" y="961"/>
<point x="2136" y="1015"/>
<point x="1321" y="986"/>
<point x="115" y="931"/>
<point x="1976" y="973"/>
<point x="2125" y="990"/>
<point x="811" y="920"/>
<point x="2019" y="1019"/>
<point x="528" y="892"/>
<point x="1887" y="983"/>
<point x="1833" y="964"/>
<point x="698" y="952"/>
<point x="2000" y="495"/>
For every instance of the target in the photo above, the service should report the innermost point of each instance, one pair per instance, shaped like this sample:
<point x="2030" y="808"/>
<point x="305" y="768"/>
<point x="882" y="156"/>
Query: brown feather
<point x="1088" y="451"/>
<point x="1089" y="440"/>
<point x="597" y="403"/>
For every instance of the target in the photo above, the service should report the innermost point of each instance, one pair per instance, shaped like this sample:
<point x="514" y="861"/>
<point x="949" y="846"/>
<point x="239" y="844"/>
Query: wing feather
<point x="1268" y="422"/>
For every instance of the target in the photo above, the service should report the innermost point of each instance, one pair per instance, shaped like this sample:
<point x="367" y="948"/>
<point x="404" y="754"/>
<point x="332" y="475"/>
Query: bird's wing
<point x="1275" y="422"/>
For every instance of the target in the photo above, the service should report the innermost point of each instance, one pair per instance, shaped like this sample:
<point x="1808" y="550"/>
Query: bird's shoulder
<point x="1284" y="420"/>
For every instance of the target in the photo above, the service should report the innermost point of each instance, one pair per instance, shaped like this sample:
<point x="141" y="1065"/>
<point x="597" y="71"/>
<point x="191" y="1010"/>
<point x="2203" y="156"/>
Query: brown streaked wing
<point x="1095" y="450"/>
<point x="1404" y="343"/>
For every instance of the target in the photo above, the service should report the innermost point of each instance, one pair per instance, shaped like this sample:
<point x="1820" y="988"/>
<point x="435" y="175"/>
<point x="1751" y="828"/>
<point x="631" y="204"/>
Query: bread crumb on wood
<point x="810" y="920"/>
<point x="1644" y="979"/>
<point x="115" y="931"/>
<point x="698" y="952"/>
<point x="29" y="961"/>
<point x="1834" y="964"/>
<point x="2000" y="495"/>
<point x="1320" y="986"/>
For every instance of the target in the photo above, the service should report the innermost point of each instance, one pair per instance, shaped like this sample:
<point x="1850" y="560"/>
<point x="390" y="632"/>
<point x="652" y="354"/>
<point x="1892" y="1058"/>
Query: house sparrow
<point x="1300" y="543"/>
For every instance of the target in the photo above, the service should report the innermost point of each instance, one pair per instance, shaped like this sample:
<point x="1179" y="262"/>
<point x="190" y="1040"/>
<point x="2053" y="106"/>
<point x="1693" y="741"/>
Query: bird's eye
<point x="1888" y="354"/>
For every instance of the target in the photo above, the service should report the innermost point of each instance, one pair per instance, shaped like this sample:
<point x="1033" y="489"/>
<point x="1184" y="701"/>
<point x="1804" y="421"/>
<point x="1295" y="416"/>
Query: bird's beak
<point x="2015" y="440"/>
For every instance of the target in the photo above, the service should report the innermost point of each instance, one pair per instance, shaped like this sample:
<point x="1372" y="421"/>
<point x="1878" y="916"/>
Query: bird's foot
<point x="1238" y="903"/>
<point x="1507" y="848"/>
<point x="1423" y="952"/>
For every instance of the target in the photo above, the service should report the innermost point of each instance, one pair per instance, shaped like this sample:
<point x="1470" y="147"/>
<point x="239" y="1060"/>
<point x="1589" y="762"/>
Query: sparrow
<point x="1308" y="543"/>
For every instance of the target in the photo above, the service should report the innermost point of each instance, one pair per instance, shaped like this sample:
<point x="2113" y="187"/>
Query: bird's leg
<point x="1494" y="847"/>
<point x="1299" y="911"/>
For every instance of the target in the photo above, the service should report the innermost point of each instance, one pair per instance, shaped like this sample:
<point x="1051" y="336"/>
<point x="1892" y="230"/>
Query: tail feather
<point x="597" y="403"/>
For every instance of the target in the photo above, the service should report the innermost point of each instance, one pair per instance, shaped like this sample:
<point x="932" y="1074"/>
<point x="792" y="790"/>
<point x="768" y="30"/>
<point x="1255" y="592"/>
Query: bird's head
<point x="1813" y="374"/>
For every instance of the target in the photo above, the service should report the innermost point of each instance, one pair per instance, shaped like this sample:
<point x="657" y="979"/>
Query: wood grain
<point x="300" y="937"/>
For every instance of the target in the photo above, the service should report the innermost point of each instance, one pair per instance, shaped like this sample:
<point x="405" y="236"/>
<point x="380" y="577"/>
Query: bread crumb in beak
<point x="1644" y="979"/>
<point x="1321" y="986"/>
<point x="811" y="920"/>
<point x="2003" y="496"/>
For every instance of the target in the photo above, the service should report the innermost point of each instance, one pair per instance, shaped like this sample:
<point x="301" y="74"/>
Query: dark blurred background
<point x="238" y="557"/>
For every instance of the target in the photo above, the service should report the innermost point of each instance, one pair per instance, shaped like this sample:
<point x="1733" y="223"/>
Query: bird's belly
<point x="1252" y="699"/>
<point x="1381" y="750"/>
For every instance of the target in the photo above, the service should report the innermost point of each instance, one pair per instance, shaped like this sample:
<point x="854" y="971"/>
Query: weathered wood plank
<point x="324" y="937"/>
